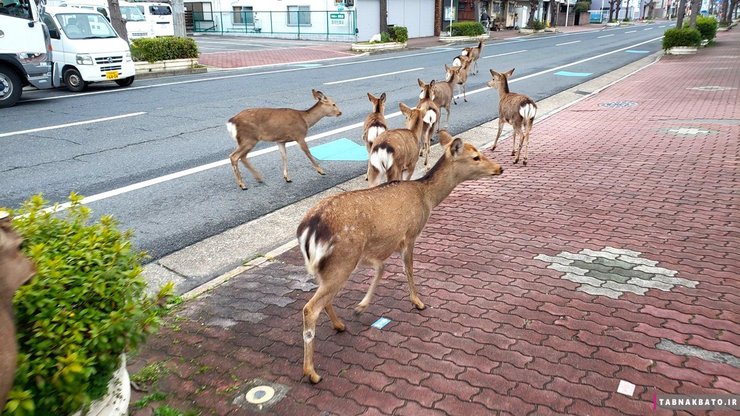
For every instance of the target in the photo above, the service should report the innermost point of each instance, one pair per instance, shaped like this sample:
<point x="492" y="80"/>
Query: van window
<point x="132" y="14"/>
<point x="160" y="10"/>
<point x="16" y="8"/>
<point x="85" y="26"/>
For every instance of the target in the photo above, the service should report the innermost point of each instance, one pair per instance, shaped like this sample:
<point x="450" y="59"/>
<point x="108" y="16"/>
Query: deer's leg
<point x="407" y="252"/>
<point x="234" y="158"/>
<point x="365" y="302"/>
<point x="284" y="156"/>
<point x="526" y="145"/>
<point x="241" y="154"/>
<point x="447" y="119"/>
<point x="304" y="147"/>
<point x="515" y="130"/>
<point x="521" y="143"/>
<point x="500" y="127"/>
<point x="335" y="321"/>
<point x="319" y="301"/>
<point x="465" y="96"/>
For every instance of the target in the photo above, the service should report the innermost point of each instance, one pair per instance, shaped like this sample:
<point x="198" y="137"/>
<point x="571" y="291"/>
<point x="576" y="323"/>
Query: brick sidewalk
<point x="612" y="256"/>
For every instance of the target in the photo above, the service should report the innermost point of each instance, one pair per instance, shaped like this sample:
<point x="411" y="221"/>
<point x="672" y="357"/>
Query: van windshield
<point x="85" y="26"/>
<point x="160" y="10"/>
<point x="132" y="14"/>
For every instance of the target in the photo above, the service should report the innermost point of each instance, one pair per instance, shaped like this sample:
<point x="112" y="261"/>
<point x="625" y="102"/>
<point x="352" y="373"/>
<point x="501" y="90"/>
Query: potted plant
<point x="681" y="41"/>
<point x="394" y="38"/>
<point x="163" y="54"/>
<point x="84" y="310"/>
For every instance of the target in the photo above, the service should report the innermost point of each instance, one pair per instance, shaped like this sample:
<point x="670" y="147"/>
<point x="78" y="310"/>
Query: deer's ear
<point x="382" y="97"/>
<point x="421" y="83"/>
<point x="509" y="72"/>
<point x="317" y="94"/>
<point x="371" y="97"/>
<point x="444" y="137"/>
<point x="493" y="73"/>
<point x="457" y="147"/>
<point x="404" y="108"/>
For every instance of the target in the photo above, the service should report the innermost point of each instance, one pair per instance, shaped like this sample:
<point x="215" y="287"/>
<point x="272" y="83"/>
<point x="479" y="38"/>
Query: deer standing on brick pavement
<point x="397" y="151"/>
<point x="515" y="109"/>
<point x="367" y="226"/>
<point x="375" y="124"/>
<point x="15" y="270"/>
<point x="463" y="62"/>
<point x="444" y="92"/>
<point x="474" y="54"/>
<point x="279" y="125"/>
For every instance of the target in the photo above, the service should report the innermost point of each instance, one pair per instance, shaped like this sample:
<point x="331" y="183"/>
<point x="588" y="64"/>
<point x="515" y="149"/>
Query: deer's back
<point x="274" y="124"/>
<point x="510" y="104"/>
<point x="404" y="145"/>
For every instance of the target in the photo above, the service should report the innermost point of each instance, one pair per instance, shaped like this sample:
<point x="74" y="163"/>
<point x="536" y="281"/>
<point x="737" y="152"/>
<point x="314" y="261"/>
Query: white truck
<point x="24" y="50"/>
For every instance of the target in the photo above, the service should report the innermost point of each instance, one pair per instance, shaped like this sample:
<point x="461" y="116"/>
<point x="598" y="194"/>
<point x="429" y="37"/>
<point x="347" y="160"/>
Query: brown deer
<point x="397" y="151"/>
<point x="462" y="62"/>
<point x="515" y="109"/>
<point x="474" y="54"/>
<point x="367" y="226"/>
<point x="431" y="112"/>
<point x="375" y="124"/>
<point x="444" y="92"/>
<point x="279" y="125"/>
<point x="15" y="270"/>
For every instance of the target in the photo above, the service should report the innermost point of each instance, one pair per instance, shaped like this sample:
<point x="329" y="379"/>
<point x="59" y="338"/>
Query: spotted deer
<point x="375" y="124"/>
<point x="367" y="226"/>
<point x="444" y="92"/>
<point x="462" y="62"/>
<point x="15" y="270"/>
<point x="474" y="54"/>
<point x="279" y="125"/>
<point x="396" y="151"/>
<point x="515" y="109"/>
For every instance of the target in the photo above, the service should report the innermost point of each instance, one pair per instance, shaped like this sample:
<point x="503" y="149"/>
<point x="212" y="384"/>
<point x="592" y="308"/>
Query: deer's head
<point x="467" y="162"/>
<point x="377" y="102"/>
<point x="328" y="106"/>
<point x="500" y="80"/>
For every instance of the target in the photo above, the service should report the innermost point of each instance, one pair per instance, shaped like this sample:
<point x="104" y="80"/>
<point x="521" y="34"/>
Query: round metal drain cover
<point x="260" y="394"/>
<point x="618" y="104"/>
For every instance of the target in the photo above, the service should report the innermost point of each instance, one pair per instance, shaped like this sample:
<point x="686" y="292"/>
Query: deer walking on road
<point x="279" y="125"/>
<point x="375" y="124"/>
<point x="474" y="54"/>
<point x="367" y="226"/>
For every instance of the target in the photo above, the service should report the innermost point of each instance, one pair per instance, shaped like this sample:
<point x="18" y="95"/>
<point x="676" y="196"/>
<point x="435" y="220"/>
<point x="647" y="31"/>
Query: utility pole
<point x="178" y="17"/>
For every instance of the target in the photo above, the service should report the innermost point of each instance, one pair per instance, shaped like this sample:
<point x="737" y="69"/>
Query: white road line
<point x="567" y="43"/>
<point x="604" y="36"/>
<point x="373" y="76"/>
<point x="503" y="54"/>
<point x="76" y="123"/>
<point x="631" y="31"/>
<point x="648" y="28"/>
<point x="202" y="168"/>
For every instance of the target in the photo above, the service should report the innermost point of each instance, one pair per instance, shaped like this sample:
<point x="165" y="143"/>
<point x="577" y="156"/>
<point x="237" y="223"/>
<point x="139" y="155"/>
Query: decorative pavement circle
<point x="687" y="131"/>
<point x="618" y="104"/>
<point x="711" y="88"/>
<point x="613" y="271"/>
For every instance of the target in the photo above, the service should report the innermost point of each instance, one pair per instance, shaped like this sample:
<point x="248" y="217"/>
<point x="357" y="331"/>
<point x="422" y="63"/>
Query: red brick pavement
<point x="503" y="332"/>
<point x="241" y="59"/>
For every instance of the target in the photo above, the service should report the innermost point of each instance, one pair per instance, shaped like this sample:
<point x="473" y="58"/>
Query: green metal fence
<point x="298" y="24"/>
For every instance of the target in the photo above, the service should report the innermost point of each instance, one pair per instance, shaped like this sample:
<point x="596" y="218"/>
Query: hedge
<point x="707" y="26"/>
<point x="681" y="37"/>
<point x="163" y="48"/>
<point x="398" y="33"/>
<point x="467" y="29"/>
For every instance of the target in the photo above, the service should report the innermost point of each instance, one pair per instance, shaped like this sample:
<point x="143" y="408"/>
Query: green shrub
<point x="538" y="25"/>
<point x="707" y="26"/>
<point x="467" y="29"/>
<point x="398" y="33"/>
<point x="681" y="37"/>
<point x="163" y="48"/>
<point x="84" y="308"/>
<point x="583" y="6"/>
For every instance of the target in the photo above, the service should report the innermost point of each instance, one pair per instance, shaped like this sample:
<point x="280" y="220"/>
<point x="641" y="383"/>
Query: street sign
<point x="337" y="19"/>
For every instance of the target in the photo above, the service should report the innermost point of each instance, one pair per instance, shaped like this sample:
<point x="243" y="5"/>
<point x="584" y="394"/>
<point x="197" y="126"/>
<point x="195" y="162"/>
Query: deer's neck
<point x="439" y="182"/>
<point x="417" y="126"/>
<point x="313" y="114"/>
<point x="503" y="87"/>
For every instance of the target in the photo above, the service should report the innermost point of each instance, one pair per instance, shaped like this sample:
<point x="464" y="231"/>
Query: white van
<point x="137" y="25"/>
<point x="159" y="15"/>
<point x="86" y="49"/>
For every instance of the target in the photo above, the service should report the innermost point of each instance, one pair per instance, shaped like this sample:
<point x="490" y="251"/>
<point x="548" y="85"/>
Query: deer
<point x="15" y="270"/>
<point x="444" y="92"/>
<point x="278" y="125"/>
<point x="375" y="124"/>
<point x="463" y="62"/>
<point x="515" y="109"/>
<point x="474" y="54"/>
<point x="366" y="226"/>
<point x="396" y="151"/>
<point x="431" y="117"/>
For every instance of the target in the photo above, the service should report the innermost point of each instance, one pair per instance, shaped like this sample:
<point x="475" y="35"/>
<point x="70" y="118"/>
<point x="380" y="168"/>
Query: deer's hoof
<point x="524" y="163"/>
<point x="244" y="187"/>
<point x="359" y="310"/>
<point x="313" y="377"/>
<point x="321" y="171"/>
<point x="513" y="153"/>
<point x="418" y="304"/>
<point x="288" y="180"/>
<point x="516" y="161"/>
<point x="340" y="327"/>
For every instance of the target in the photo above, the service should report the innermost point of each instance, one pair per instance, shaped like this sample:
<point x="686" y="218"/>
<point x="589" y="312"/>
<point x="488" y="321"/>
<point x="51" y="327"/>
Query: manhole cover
<point x="711" y="88"/>
<point x="260" y="394"/>
<point x="618" y="104"/>
<point x="688" y="131"/>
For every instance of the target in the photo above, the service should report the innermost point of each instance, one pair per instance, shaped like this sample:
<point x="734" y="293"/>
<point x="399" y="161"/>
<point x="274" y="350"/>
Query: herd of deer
<point x="367" y="226"/>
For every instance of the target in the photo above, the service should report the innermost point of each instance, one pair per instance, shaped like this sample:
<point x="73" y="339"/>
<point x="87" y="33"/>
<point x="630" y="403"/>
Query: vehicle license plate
<point x="111" y="75"/>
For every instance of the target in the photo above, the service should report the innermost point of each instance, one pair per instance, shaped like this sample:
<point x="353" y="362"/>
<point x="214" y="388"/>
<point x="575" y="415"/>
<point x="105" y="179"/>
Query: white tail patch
<point x="231" y="127"/>
<point x="381" y="160"/>
<point x="456" y="62"/>
<point x="374" y="132"/>
<point x="448" y="77"/>
<point x="421" y="95"/>
<point x="528" y="111"/>
<point x="314" y="251"/>
<point x="430" y="117"/>
<point x="464" y="52"/>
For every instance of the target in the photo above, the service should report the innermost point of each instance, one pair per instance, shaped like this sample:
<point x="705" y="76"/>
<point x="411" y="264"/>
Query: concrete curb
<point x="208" y="263"/>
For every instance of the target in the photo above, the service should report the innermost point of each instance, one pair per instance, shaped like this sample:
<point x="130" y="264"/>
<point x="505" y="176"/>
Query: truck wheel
<point x="125" y="82"/>
<point x="10" y="87"/>
<point x="73" y="80"/>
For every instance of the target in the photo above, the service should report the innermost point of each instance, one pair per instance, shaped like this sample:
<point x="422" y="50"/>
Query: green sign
<point x="339" y="16"/>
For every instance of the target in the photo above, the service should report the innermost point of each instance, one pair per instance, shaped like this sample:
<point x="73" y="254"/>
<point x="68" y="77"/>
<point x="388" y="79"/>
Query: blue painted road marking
<point x="380" y="323"/>
<point x="572" y="74"/>
<point x="341" y="149"/>
<point x="636" y="51"/>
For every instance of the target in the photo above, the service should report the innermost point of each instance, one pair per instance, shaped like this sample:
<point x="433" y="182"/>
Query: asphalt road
<point x="154" y="155"/>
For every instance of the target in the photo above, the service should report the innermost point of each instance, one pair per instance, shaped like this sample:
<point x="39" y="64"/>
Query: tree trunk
<point x="618" y="8"/>
<point x="695" y="6"/>
<point x="627" y="14"/>
<point x="680" y="12"/>
<point x="384" y="15"/>
<point x="178" y="17"/>
<point x="723" y="11"/>
<point x="731" y="10"/>
<point x="532" y="8"/>
<point x="553" y="13"/>
<point x="611" y="10"/>
<point x="116" y="20"/>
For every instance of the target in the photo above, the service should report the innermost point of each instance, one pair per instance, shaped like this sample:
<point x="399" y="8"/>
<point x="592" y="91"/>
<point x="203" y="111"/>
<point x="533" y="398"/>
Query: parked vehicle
<point x="137" y="25"/>
<point x="159" y="16"/>
<point x="86" y="49"/>
<point x="24" y="50"/>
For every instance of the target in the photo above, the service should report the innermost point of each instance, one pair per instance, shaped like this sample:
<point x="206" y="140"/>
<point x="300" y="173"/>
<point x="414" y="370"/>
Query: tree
<point x="618" y="7"/>
<point x="384" y="15"/>
<point x="612" y="3"/>
<point x="117" y="20"/>
<point x="695" y="5"/>
<point x="680" y="13"/>
<point x="627" y="15"/>
<point x="730" y="11"/>
<point x="553" y="13"/>
<point x="532" y="7"/>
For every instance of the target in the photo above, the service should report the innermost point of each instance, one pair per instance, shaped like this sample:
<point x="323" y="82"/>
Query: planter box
<point x="165" y="66"/>
<point x="526" y="31"/>
<point x="704" y="42"/>
<point x="456" y="39"/>
<point x="372" y="47"/>
<point x="116" y="400"/>
<point x="612" y="24"/>
<point x="682" y="50"/>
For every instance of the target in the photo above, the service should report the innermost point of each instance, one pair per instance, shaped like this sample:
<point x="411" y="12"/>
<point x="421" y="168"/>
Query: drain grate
<point x="618" y="104"/>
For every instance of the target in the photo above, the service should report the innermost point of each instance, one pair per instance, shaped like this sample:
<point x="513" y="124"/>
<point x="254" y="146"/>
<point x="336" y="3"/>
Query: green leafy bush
<point x="538" y="25"/>
<point x="163" y="48"/>
<point x="707" y="26"/>
<point x="398" y="33"/>
<point x="84" y="307"/>
<point x="385" y="37"/>
<point x="583" y="6"/>
<point x="681" y="37"/>
<point x="467" y="29"/>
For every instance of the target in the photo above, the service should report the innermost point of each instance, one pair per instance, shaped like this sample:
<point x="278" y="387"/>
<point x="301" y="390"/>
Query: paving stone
<point x="637" y="260"/>
<point x="610" y="277"/>
<point x="617" y="264"/>
<point x="602" y="291"/>
<point x="634" y="273"/>
<point x="556" y="259"/>
<point x="598" y="254"/>
<point x="583" y="279"/>
<point x="622" y="251"/>
<point x="656" y="270"/>
<point x="573" y="256"/>
<point x="625" y="288"/>
<point x="567" y="269"/>
<point x="592" y="266"/>
<point x="675" y="280"/>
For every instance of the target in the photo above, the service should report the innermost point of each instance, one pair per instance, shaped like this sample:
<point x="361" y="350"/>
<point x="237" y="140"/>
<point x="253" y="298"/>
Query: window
<point x="160" y="10"/>
<point x="243" y="15"/>
<point x="202" y="11"/>
<point x="16" y="8"/>
<point x="299" y="15"/>
<point x="132" y="14"/>
<point x="85" y="26"/>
